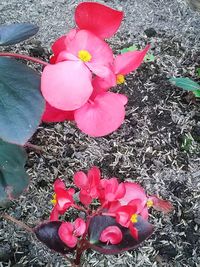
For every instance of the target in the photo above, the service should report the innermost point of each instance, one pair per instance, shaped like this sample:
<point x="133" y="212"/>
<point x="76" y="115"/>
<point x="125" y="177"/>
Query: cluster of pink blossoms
<point x="126" y="202"/>
<point x="83" y="68"/>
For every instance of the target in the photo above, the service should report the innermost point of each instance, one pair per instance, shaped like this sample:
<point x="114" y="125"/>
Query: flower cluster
<point x="122" y="208"/>
<point x="83" y="68"/>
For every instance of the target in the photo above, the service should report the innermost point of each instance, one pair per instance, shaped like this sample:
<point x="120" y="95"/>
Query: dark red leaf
<point x="99" y="223"/>
<point x="47" y="233"/>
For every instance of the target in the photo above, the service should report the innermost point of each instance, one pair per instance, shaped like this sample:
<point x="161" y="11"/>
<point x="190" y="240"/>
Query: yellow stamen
<point x="84" y="55"/>
<point x="149" y="203"/>
<point x="134" y="218"/>
<point x="54" y="201"/>
<point x="120" y="79"/>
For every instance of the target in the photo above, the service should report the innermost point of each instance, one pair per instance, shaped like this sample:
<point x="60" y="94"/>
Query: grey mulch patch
<point x="151" y="147"/>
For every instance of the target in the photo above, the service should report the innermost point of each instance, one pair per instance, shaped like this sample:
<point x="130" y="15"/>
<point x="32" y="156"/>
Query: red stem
<point x="21" y="224"/>
<point x="81" y="247"/>
<point x="36" y="60"/>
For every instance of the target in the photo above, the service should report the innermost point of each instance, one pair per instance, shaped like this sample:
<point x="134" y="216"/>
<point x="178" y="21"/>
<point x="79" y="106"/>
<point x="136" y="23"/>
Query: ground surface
<point x="148" y="148"/>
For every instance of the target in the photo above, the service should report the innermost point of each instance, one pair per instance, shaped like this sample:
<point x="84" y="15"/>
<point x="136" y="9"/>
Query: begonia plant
<point x="111" y="217"/>
<point x="74" y="85"/>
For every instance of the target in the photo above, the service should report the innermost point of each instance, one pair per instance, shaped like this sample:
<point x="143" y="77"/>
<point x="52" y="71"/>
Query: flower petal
<point x="94" y="176"/>
<point x="66" y="85"/>
<point x="54" y="216"/>
<point x="81" y="180"/>
<point x="85" y="198"/>
<point x="58" y="184"/>
<point x="133" y="231"/>
<point x="123" y="215"/>
<point x="59" y="45"/>
<point x="101" y="117"/>
<point x="101" y="53"/>
<point x="65" y="233"/>
<point x="111" y="234"/>
<point x="97" y="18"/>
<point x="133" y="191"/>
<point x="52" y="114"/>
<point x="101" y="71"/>
<point x="130" y="61"/>
<point x="64" y="199"/>
<point x="161" y="205"/>
<point x="101" y="85"/>
<point x="79" y="227"/>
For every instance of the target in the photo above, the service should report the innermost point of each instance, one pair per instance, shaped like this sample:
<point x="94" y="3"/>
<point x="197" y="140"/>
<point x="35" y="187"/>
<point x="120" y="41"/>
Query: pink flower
<point x="88" y="184"/>
<point x="63" y="199"/>
<point x="67" y="84"/>
<point x="101" y="20"/>
<point x="111" y="190"/>
<point x="135" y="194"/>
<point x="112" y="235"/>
<point x="70" y="78"/>
<point x="69" y="232"/>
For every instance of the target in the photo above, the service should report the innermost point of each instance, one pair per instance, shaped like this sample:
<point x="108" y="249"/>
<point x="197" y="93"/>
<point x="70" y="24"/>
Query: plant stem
<point x="36" y="60"/>
<point x="21" y="224"/>
<point x="34" y="147"/>
<point x="81" y="247"/>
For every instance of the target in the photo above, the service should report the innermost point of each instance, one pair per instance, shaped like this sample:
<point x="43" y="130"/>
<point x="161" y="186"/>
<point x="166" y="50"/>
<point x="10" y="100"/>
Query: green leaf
<point x="15" y="33"/>
<point x="99" y="223"/>
<point x="13" y="177"/>
<point x="185" y="83"/>
<point x="196" y="93"/>
<point x="21" y="103"/>
<point x="198" y="72"/>
<point x="149" y="58"/>
<point x="128" y="49"/>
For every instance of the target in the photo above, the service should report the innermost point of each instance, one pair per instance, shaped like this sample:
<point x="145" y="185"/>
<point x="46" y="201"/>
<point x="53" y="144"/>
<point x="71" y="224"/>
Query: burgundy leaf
<point x="47" y="233"/>
<point x="99" y="223"/>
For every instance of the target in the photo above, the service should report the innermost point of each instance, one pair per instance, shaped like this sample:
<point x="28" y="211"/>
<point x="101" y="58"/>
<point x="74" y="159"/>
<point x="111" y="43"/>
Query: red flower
<point x="111" y="190"/>
<point x="112" y="235"/>
<point x="76" y="55"/>
<point x="88" y="184"/>
<point x="69" y="232"/>
<point x="63" y="199"/>
<point x="127" y="216"/>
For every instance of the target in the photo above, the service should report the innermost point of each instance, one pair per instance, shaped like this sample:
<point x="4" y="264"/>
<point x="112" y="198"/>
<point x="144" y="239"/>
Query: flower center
<point x="54" y="201"/>
<point x="120" y="79"/>
<point x="134" y="218"/>
<point x="149" y="203"/>
<point x="84" y="55"/>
